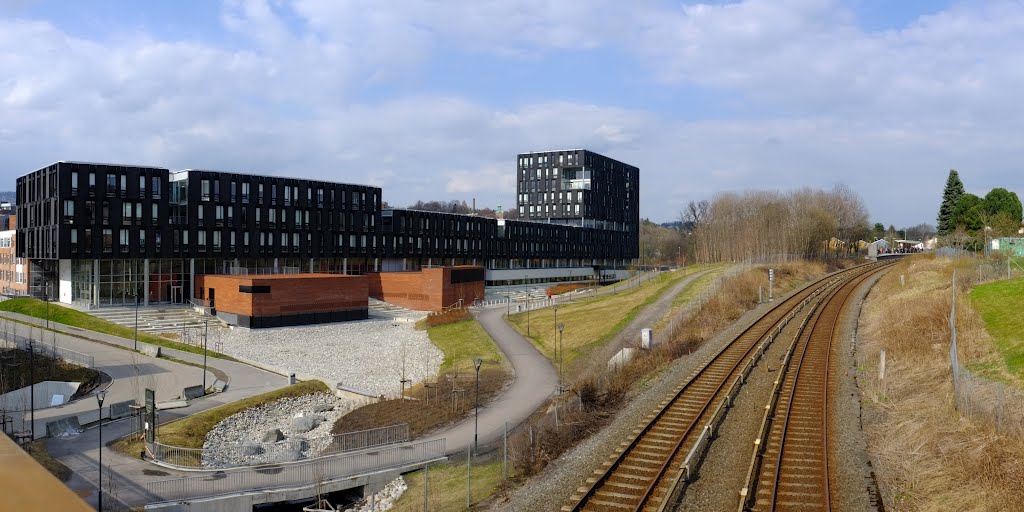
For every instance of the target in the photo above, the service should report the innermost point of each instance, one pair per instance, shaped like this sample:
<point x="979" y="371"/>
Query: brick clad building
<point x="429" y="289"/>
<point x="284" y="299"/>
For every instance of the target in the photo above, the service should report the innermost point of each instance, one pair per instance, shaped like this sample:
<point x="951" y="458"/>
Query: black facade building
<point x="106" y="234"/>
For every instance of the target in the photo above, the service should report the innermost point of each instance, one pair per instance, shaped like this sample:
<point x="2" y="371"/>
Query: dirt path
<point x="630" y="335"/>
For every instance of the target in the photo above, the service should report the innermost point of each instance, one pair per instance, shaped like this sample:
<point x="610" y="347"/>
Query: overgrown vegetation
<point x="601" y="395"/>
<point x="39" y="451"/>
<point x="18" y="372"/>
<point x="190" y="431"/>
<point x="448" y="317"/>
<point x="67" y="316"/>
<point x="561" y="288"/>
<point x="926" y="454"/>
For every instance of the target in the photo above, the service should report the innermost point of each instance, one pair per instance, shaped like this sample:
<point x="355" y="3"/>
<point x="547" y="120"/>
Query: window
<point x="69" y="211"/>
<point x="245" y="239"/>
<point x="204" y="190"/>
<point x="199" y="215"/>
<point x="258" y="215"/>
<point x="216" y="190"/>
<point x="287" y="196"/>
<point x="156" y="188"/>
<point x="155" y="218"/>
<point x="142" y="186"/>
<point x="138" y="213"/>
<point x="156" y="240"/>
<point x="74" y="183"/>
<point x="260" y="197"/>
<point x="126" y="213"/>
<point x="92" y="182"/>
<point x="111" y="184"/>
<point x="108" y="240"/>
<point x="142" y="241"/>
<point x="233" y="191"/>
<point x="216" y="240"/>
<point x="245" y="192"/>
<point x="124" y="185"/>
<point x="219" y="216"/>
<point x="74" y="240"/>
<point x="202" y="239"/>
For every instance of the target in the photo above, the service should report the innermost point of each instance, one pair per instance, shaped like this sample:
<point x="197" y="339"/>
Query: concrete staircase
<point x="160" y="318"/>
<point x="380" y="309"/>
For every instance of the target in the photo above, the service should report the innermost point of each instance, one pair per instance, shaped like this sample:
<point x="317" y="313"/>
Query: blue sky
<point x="433" y="99"/>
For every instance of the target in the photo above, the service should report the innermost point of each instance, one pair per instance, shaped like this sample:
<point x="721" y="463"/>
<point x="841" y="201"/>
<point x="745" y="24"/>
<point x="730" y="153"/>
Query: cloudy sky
<point x="434" y="99"/>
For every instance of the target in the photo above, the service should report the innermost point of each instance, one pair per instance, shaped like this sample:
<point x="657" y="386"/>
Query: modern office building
<point x="104" y="234"/>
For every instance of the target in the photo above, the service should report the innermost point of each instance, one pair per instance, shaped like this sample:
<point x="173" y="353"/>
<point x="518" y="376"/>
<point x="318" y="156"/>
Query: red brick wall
<point x="427" y="290"/>
<point x="289" y="294"/>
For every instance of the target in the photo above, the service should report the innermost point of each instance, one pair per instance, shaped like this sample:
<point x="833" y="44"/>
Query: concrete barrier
<point x="121" y="409"/>
<point x="192" y="392"/>
<point x="150" y="350"/>
<point x="219" y="386"/>
<point x="171" y="404"/>
<point x="64" y="427"/>
<point x="357" y="395"/>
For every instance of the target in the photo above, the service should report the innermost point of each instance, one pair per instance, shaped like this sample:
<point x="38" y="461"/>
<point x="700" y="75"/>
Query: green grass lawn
<point x="1001" y="306"/>
<point x="590" y="322"/>
<point x="463" y="341"/>
<point x="190" y="431"/>
<point x="447" y="486"/>
<point x="60" y="314"/>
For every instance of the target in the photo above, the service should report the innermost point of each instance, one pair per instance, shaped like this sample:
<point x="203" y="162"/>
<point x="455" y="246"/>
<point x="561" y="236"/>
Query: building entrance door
<point x="177" y="294"/>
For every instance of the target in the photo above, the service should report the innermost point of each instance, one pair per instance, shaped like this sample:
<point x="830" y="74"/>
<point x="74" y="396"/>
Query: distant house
<point x="1013" y="246"/>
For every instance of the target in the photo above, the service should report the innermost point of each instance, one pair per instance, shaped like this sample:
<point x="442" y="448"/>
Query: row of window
<point x="547" y="159"/>
<point x="209" y="190"/>
<point x="117" y="185"/>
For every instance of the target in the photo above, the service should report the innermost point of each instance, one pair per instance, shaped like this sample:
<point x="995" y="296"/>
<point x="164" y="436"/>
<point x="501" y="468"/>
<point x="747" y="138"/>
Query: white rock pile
<point x="383" y="500"/>
<point x="367" y="355"/>
<point x="284" y="430"/>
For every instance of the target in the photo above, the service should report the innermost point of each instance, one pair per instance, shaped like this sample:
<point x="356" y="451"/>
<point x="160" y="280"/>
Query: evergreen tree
<point x="950" y="196"/>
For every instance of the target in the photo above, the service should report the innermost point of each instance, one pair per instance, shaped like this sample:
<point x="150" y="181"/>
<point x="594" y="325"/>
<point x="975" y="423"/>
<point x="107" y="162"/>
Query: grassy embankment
<point x="1001" y="306"/>
<point x="449" y="397"/>
<point x="926" y="454"/>
<point x="190" y="431"/>
<point x="590" y="322"/>
<point x="447" y="489"/>
<point x="60" y="314"/>
<point x="38" y="450"/>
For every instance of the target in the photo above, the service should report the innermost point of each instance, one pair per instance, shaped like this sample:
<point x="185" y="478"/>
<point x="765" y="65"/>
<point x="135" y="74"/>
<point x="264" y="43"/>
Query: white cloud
<point x="886" y="112"/>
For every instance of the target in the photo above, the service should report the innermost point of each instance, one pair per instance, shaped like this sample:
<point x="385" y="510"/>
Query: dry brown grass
<point x="603" y="394"/>
<point x="448" y="317"/>
<point x="927" y="456"/>
<point x="559" y="289"/>
<point x="428" y="409"/>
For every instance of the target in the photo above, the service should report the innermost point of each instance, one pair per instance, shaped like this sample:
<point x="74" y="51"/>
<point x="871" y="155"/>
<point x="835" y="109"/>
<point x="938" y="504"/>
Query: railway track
<point x="789" y="468"/>
<point x="650" y="468"/>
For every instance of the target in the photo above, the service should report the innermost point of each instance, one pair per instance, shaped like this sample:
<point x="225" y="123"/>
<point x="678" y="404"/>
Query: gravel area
<point x="552" y="487"/>
<point x="384" y="499"/>
<point x="367" y="355"/>
<point x="853" y="476"/>
<point x="284" y="430"/>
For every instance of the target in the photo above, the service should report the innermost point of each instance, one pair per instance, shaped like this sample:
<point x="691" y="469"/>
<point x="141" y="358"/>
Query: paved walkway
<point x="535" y="378"/>
<point x="132" y="373"/>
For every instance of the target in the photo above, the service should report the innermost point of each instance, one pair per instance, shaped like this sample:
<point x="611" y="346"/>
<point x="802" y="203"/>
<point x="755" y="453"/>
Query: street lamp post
<point x="206" y="334"/>
<point x="476" y="421"/>
<point x="99" y="401"/>
<point x="527" y="279"/>
<point x="32" y="387"/>
<point x="561" y="327"/>
<point x="136" y="319"/>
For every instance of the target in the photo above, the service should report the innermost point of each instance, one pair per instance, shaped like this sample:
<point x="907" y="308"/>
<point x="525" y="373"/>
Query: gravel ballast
<point x="238" y="439"/>
<point x="366" y="355"/>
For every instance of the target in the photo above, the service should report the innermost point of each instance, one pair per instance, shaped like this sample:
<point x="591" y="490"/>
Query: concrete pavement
<point x="132" y="373"/>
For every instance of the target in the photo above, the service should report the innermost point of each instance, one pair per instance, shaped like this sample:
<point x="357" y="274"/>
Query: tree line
<point x="965" y="219"/>
<point x="761" y="225"/>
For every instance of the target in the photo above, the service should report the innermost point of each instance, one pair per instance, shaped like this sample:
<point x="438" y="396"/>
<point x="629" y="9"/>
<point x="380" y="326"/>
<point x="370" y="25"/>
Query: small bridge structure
<point x="242" y="488"/>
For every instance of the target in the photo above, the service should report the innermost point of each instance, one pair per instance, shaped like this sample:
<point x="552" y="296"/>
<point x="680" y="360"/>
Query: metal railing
<point x="253" y="454"/>
<point x="53" y="351"/>
<point x="298" y="474"/>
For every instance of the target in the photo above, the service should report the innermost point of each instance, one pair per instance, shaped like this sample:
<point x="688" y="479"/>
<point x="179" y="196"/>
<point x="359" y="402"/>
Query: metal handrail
<point x="298" y="474"/>
<point x="198" y="458"/>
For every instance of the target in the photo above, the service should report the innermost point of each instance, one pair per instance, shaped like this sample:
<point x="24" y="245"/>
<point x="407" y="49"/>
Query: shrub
<point x="448" y="317"/>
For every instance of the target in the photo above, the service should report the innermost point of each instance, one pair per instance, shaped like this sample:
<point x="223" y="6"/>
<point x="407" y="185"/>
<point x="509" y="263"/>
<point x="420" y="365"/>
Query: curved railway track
<point x="647" y="470"/>
<point x="789" y="469"/>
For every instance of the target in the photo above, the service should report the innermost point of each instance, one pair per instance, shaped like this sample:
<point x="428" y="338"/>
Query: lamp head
<point x="100" y="396"/>
<point x="477" y="361"/>
<point x="560" y="328"/>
